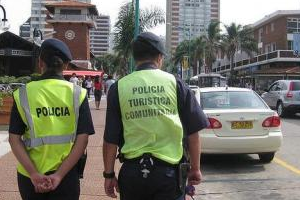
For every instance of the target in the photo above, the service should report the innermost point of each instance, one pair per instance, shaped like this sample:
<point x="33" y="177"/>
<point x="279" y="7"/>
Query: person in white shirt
<point x="89" y="85"/>
<point x="109" y="83"/>
<point x="74" y="79"/>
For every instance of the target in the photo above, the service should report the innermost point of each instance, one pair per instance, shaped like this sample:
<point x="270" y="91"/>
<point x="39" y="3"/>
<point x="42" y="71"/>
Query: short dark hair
<point x="142" y="50"/>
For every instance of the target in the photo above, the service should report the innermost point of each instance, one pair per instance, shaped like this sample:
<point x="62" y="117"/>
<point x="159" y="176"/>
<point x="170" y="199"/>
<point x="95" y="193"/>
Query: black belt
<point x="156" y="161"/>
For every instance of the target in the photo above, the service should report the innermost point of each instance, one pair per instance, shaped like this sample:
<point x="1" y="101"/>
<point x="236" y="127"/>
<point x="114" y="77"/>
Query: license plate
<point x="242" y="125"/>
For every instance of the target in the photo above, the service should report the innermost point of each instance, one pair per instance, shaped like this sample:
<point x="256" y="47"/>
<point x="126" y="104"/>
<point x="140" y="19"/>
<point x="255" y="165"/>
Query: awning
<point x="83" y="73"/>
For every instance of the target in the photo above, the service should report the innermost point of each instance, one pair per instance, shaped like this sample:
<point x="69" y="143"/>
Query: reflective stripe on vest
<point x="35" y="142"/>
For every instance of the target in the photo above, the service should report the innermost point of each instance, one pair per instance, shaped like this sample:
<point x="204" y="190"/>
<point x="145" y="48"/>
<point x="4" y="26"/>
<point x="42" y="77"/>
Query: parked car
<point x="240" y="123"/>
<point x="284" y="96"/>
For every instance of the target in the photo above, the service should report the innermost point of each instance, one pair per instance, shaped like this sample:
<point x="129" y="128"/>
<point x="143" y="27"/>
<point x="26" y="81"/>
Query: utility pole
<point x="136" y="29"/>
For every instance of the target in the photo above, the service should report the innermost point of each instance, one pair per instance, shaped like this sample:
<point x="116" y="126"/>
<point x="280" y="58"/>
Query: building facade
<point x="72" y="21"/>
<point x="100" y="36"/>
<point x="187" y="19"/>
<point x="39" y="15"/>
<point x="278" y="56"/>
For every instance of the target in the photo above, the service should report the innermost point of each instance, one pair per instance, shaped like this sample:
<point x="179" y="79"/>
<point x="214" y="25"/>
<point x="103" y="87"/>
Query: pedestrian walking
<point x="97" y="91"/>
<point x="74" y="79"/>
<point x="109" y="83"/>
<point x="89" y="86"/>
<point x="149" y="114"/>
<point x="49" y="128"/>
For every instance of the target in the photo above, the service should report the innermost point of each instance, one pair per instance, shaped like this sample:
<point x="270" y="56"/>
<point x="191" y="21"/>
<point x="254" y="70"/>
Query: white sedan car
<point x="240" y="122"/>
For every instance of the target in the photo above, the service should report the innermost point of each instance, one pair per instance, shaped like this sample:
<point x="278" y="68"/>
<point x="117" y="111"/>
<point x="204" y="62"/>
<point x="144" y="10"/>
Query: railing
<point x="69" y="17"/>
<point x="260" y="58"/>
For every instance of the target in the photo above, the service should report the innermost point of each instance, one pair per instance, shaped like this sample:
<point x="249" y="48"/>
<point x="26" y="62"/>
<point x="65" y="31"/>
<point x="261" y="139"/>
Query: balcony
<point x="275" y="56"/>
<point x="90" y="19"/>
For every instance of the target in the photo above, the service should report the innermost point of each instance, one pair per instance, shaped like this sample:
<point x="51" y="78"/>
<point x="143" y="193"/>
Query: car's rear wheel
<point x="281" y="110"/>
<point x="266" y="157"/>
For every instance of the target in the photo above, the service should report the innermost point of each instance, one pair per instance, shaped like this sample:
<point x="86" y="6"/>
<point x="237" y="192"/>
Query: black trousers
<point x="69" y="188"/>
<point x="161" y="183"/>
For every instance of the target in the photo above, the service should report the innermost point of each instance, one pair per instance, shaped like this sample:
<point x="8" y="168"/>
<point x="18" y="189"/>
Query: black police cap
<point x="153" y="40"/>
<point x="59" y="47"/>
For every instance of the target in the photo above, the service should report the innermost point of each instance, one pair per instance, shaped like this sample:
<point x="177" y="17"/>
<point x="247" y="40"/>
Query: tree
<point x="193" y="49"/>
<point x="124" y="29"/>
<point x="212" y="43"/>
<point x="110" y="63"/>
<point x="237" y="38"/>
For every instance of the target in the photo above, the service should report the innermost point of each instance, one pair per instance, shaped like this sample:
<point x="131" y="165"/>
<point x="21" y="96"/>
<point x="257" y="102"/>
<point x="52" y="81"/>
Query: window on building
<point x="260" y="33"/>
<point x="272" y="27"/>
<point x="70" y="12"/>
<point x="290" y="45"/>
<point x="267" y="29"/>
<point x="268" y="48"/>
<point x="273" y="46"/>
<point x="293" y="25"/>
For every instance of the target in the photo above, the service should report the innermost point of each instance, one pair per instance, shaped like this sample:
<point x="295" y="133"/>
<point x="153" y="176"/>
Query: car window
<point x="273" y="87"/>
<point x="231" y="100"/>
<point x="296" y="86"/>
<point x="283" y="86"/>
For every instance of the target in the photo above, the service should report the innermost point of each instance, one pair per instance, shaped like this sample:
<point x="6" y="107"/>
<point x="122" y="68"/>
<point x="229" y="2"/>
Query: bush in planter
<point x="23" y="79"/>
<point x="7" y="79"/>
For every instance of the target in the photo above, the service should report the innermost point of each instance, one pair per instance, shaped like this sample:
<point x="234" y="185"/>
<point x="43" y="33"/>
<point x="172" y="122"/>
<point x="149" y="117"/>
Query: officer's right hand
<point x="41" y="183"/>
<point x="194" y="177"/>
<point x="110" y="184"/>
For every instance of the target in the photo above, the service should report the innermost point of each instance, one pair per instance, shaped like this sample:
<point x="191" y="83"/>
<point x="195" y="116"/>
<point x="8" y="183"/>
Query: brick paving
<point x="91" y="185"/>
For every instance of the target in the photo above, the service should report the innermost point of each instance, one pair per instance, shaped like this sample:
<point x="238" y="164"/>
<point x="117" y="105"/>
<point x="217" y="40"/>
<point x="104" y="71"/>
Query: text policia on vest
<point x="53" y="111"/>
<point x="160" y="105"/>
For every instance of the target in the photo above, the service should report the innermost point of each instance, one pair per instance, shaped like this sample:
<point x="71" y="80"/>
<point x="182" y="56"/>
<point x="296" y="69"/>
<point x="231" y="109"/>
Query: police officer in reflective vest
<point x="149" y="112"/>
<point x="49" y="128"/>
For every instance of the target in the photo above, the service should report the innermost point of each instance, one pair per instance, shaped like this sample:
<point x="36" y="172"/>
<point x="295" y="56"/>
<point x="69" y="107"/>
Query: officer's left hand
<point x="55" y="179"/>
<point x="110" y="185"/>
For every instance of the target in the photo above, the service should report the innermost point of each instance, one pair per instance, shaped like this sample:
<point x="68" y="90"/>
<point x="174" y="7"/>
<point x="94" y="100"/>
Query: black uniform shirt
<point x="85" y="122"/>
<point x="191" y="115"/>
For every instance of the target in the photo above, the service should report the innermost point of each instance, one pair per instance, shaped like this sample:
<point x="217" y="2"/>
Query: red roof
<point x="72" y="4"/>
<point x="83" y="73"/>
<point x="69" y="3"/>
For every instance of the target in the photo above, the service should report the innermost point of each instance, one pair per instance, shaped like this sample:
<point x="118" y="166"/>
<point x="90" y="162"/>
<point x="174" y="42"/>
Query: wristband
<point x="109" y="175"/>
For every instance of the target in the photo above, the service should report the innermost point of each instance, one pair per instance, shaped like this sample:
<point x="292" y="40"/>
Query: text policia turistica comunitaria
<point x="150" y="106"/>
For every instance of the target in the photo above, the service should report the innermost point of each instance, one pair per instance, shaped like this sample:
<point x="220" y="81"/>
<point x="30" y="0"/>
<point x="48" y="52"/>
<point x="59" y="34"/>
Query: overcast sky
<point x="240" y="11"/>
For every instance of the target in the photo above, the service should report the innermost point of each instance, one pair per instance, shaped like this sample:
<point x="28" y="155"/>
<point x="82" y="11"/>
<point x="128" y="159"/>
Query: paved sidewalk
<point x="91" y="185"/>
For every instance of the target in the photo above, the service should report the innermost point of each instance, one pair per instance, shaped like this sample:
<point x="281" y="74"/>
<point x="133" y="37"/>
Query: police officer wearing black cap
<point x="49" y="128"/>
<point x="149" y="113"/>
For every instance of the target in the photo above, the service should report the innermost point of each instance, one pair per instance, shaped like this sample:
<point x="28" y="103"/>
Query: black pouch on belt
<point x="183" y="173"/>
<point x="81" y="164"/>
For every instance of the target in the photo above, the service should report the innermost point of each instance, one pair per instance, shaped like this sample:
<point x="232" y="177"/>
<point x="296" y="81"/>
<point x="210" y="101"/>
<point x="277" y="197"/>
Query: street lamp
<point x="37" y="39"/>
<point x="4" y="22"/>
<point x="37" y="33"/>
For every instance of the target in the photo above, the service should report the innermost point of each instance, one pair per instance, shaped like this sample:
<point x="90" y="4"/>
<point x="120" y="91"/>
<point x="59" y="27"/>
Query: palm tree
<point x="194" y="49"/>
<point x="236" y="38"/>
<point x="110" y="63"/>
<point x="124" y="29"/>
<point x="212" y="43"/>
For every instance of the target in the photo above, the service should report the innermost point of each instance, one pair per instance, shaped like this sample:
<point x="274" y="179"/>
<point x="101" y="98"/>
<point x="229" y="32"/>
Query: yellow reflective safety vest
<point x="50" y="110"/>
<point x="149" y="110"/>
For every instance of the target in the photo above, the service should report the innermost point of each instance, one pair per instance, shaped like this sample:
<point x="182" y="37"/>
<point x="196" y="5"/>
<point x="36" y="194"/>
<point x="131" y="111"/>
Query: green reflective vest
<point x="148" y="102"/>
<point x="50" y="110"/>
